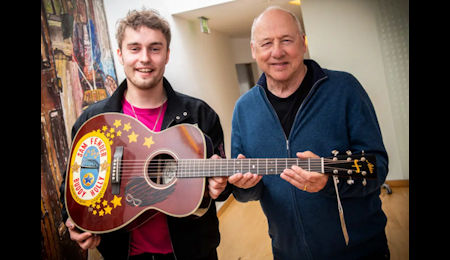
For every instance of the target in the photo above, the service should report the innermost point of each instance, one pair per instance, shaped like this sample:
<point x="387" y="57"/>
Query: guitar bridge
<point x="115" y="176"/>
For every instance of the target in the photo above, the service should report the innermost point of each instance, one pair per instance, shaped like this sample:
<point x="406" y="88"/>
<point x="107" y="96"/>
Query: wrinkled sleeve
<point x="242" y="195"/>
<point x="213" y="129"/>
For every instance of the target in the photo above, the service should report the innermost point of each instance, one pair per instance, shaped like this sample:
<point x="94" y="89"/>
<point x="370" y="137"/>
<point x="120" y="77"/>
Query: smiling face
<point x="278" y="47"/>
<point x="144" y="55"/>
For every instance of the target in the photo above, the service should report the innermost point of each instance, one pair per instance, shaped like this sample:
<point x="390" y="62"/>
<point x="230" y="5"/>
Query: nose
<point x="145" y="56"/>
<point x="277" y="51"/>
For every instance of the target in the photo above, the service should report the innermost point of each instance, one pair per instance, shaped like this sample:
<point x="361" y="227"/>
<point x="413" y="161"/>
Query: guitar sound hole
<point x="162" y="169"/>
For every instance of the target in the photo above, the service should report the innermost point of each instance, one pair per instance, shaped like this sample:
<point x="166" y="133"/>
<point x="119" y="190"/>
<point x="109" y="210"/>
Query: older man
<point x="308" y="111"/>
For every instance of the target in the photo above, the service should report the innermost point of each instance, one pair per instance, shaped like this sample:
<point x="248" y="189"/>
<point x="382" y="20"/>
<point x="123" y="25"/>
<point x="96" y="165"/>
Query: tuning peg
<point x="363" y="159"/>
<point x="364" y="182"/>
<point x="349" y="152"/>
<point x="350" y="181"/>
<point x="364" y="173"/>
<point x="335" y="153"/>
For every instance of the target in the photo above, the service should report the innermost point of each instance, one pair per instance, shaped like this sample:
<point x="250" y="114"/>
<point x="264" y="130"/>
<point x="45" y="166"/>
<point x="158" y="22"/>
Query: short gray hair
<point x="274" y="7"/>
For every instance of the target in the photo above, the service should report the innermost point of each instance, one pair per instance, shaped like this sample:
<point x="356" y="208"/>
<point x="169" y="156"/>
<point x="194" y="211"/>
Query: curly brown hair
<point x="149" y="18"/>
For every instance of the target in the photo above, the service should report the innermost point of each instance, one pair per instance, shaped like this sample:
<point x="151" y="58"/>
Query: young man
<point x="144" y="39"/>
<point x="304" y="107"/>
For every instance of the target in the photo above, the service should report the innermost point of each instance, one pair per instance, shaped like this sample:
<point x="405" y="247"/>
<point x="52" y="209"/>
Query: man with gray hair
<point x="307" y="111"/>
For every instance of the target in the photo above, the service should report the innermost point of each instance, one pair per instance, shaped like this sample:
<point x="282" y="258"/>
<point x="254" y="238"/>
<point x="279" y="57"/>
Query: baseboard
<point x="398" y="183"/>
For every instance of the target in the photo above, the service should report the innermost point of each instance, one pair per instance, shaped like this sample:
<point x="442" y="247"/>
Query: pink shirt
<point x="153" y="235"/>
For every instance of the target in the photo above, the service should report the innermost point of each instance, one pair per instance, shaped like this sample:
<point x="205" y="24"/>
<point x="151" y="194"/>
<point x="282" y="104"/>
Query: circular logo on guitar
<point x="89" y="172"/>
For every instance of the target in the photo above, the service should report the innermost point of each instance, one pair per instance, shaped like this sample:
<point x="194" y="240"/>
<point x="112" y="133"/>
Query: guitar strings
<point x="158" y="167"/>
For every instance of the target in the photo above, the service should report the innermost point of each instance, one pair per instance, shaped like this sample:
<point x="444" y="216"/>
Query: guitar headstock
<point x="351" y="166"/>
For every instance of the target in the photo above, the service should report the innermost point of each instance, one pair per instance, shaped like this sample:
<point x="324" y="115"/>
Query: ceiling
<point x="235" y="18"/>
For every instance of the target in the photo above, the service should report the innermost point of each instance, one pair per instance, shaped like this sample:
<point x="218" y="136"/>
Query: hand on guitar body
<point x="85" y="240"/>
<point x="216" y="185"/>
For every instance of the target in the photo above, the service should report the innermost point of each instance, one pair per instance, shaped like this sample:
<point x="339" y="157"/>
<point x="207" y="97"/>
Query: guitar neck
<point x="226" y="167"/>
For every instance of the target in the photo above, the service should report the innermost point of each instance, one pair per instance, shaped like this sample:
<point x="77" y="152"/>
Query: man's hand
<point x="85" y="240"/>
<point x="216" y="185"/>
<point x="302" y="179"/>
<point x="246" y="180"/>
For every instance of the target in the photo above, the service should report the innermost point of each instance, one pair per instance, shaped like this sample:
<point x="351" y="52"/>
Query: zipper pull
<point x="287" y="147"/>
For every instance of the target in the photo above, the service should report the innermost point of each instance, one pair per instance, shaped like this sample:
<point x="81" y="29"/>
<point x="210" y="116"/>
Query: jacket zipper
<point x="276" y="115"/>
<point x="301" y="105"/>
<point x="304" y="101"/>
<point x="287" y="139"/>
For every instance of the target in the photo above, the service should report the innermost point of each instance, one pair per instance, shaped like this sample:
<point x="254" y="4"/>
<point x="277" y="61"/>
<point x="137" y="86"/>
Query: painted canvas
<point x="77" y="70"/>
<point x="82" y="53"/>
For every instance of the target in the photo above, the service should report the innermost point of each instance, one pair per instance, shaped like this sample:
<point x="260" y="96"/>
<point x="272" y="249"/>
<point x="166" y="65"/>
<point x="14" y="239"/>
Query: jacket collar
<point x="175" y="112"/>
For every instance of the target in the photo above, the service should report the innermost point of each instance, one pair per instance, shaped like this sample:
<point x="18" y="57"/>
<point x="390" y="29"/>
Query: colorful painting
<point x="77" y="69"/>
<point x="83" y="57"/>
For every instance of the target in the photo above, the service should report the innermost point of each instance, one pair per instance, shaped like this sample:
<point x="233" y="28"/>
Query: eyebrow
<point x="138" y="44"/>
<point x="283" y="36"/>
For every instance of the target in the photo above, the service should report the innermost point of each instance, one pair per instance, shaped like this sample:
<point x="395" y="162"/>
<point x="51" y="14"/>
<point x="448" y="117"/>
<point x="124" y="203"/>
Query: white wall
<point x="241" y="53"/>
<point x="350" y="35"/>
<point x="347" y="35"/>
<point x="200" y="64"/>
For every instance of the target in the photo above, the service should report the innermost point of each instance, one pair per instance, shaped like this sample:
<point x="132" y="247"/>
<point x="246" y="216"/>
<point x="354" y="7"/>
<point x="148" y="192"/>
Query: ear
<point x="168" y="55"/>
<point x="119" y="53"/>
<point x="253" y="50"/>
<point x="304" y="42"/>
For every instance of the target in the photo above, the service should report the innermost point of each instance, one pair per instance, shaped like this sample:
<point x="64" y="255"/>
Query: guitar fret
<point x="194" y="168"/>
<point x="309" y="164"/>
<point x="266" y="166"/>
<point x="257" y="166"/>
<point x="322" y="168"/>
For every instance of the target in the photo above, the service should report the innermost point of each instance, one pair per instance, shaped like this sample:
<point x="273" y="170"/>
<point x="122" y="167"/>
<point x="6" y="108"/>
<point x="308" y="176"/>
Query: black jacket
<point x="192" y="237"/>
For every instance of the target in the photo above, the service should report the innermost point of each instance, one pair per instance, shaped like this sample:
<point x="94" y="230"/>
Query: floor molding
<point x="398" y="183"/>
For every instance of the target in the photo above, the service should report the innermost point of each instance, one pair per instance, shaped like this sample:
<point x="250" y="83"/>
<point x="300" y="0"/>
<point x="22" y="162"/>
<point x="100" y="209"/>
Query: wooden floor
<point x="243" y="227"/>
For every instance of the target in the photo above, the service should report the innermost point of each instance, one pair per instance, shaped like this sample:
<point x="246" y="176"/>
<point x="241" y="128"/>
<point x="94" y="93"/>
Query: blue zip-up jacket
<point x="337" y="114"/>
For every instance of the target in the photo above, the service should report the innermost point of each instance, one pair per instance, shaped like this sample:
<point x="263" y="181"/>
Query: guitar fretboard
<point x="226" y="167"/>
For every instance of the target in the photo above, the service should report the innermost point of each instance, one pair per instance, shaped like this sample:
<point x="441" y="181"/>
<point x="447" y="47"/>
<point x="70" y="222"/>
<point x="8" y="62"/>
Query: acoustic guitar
<point x="121" y="173"/>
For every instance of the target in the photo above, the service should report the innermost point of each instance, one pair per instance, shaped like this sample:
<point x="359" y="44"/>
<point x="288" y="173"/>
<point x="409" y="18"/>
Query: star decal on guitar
<point x="127" y="127"/>
<point x="104" y="166"/>
<point x="75" y="167"/>
<point x="133" y="137"/>
<point x="108" y="210"/>
<point x="148" y="141"/>
<point x="117" y="123"/>
<point x="102" y="208"/>
<point x="116" y="201"/>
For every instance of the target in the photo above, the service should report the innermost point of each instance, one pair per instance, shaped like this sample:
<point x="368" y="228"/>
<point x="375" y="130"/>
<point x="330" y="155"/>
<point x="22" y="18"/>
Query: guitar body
<point x="115" y="178"/>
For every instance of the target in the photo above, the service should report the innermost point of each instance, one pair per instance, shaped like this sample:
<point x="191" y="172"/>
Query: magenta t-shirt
<point x="153" y="235"/>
